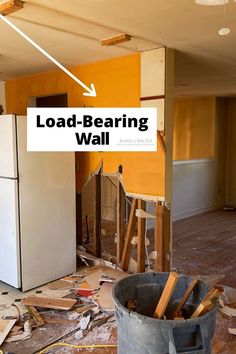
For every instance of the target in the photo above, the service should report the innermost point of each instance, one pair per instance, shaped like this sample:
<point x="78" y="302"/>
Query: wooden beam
<point x="11" y="6"/>
<point x="115" y="39"/>
<point x="166" y="294"/>
<point x="97" y="216"/>
<point x="141" y="239"/>
<point x="161" y="140"/>
<point x="150" y="98"/>
<point x="185" y="298"/>
<point x="129" y="235"/>
<point x="120" y="221"/>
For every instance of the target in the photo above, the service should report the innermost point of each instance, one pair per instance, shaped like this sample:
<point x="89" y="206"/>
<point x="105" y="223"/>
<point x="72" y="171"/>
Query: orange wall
<point x="194" y="128"/>
<point x="117" y="82"/>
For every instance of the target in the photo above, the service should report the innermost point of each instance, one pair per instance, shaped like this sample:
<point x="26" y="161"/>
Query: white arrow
<point x="90" y="91"/>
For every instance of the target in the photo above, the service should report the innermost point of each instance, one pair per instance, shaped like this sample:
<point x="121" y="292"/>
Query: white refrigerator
<point x="37" y="210"/>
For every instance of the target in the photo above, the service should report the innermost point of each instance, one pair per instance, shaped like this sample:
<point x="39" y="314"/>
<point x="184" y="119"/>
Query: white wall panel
<point x="194" y="187"/>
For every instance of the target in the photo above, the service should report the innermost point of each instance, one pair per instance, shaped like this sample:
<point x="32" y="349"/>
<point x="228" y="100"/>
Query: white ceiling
<point x="70" y="31"/>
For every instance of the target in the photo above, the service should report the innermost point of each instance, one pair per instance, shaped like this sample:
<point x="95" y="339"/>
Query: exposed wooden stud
<point x="129" y="235"/>
<point x="158" y="239"/>
<point x="141" y="239"/>
<point x="115" y="39"/>
<point x="185" y="298"/>
<point x="79" y="230"/>
<point x="161" y="140"/>
<point x="8" y="7"/>
<point x="120" y="217"/>
<point x="166" y="295"/>
<point x="97" y="216"/>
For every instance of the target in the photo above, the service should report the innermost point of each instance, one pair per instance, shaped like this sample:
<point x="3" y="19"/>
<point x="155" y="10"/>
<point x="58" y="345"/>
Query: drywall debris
<point x="84" y="322"/>
<point x="232" y="331"/>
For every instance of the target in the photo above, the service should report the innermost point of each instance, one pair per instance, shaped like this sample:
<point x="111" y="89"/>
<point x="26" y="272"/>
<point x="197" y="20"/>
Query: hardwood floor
<point x="205" y="244"/>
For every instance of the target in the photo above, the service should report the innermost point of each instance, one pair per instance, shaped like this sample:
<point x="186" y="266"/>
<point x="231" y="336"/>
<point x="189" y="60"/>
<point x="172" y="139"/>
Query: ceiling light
<point x="211" y="2"/>
<point x="224" y="31"/>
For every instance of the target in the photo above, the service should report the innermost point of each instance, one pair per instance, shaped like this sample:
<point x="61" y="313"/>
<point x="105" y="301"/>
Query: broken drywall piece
<point x="104" y="336"/>
<point x="228" y="311"/>
<point x="139" y="213"/>
<point x="105" y="297"/>
<point x="18" y="337"/>
<point x="135" y="241"/>
<point x="232" y="331"/>
<point x="132" y="265"/>
<point x="93" y="279"/>
<point x="5" y="328"/>
<point x="59" y="284"/>
<point x="79" y="335"/>
<point x="84" y="322"/>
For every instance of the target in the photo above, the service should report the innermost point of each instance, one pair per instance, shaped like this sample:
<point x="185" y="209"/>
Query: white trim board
<point x="187" y="162"/>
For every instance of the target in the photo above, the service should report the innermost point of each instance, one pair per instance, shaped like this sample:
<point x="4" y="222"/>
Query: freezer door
<point x="9" y="233"/>
<point x="8" y="155"/>
<point x="47" y="210"/>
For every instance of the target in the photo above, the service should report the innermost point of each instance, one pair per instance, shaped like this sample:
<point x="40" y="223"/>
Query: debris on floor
<point x="83" y="314"/>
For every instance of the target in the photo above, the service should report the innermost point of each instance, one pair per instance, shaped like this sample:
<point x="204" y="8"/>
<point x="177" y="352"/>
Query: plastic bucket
<point x="140" y="333"/>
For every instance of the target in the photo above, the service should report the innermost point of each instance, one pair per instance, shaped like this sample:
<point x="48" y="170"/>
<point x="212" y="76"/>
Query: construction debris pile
<point x="86" y="308"/>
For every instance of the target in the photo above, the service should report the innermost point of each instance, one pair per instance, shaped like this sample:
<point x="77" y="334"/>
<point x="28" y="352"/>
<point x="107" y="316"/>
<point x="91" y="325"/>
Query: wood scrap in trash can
<point x="166" y="295"/>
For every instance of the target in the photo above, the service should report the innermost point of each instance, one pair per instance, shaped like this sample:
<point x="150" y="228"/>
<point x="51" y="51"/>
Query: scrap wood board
<point x="166" y="294"/>
<point x="5" y="328"/>
<point x="105" y="297"/>
<point x="51" y="303"/>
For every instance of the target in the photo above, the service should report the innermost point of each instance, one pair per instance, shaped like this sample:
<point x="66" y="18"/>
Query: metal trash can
<point x="140" y="333"/>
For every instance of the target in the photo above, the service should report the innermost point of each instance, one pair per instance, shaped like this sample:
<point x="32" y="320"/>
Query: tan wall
<point x="221" y="148"/>
<point x="194" y="128"/>
<point x="231" y="161"/>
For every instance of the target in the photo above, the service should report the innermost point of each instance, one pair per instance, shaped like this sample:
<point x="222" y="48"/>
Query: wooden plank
<point x="185" y="297"/>
<point x="166" y="294"/>
<point x="97" y="216"/>
<point x="150" y="98"/>
<point x="37" y="317"/>
<point x="120" y="221"/>
<point x="204" y="306"/>
<point x="11" y="6"/>
<point x="115" y="39"/>
<point x="5" y="328"/>
<point x="51" y="303"/>
<point x="141" y="239"/>
<point x="129" y="235"/>
<point x="208" y="302"/>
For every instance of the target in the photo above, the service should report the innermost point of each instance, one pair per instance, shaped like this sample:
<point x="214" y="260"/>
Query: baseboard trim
<point x="192" y="212"/>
